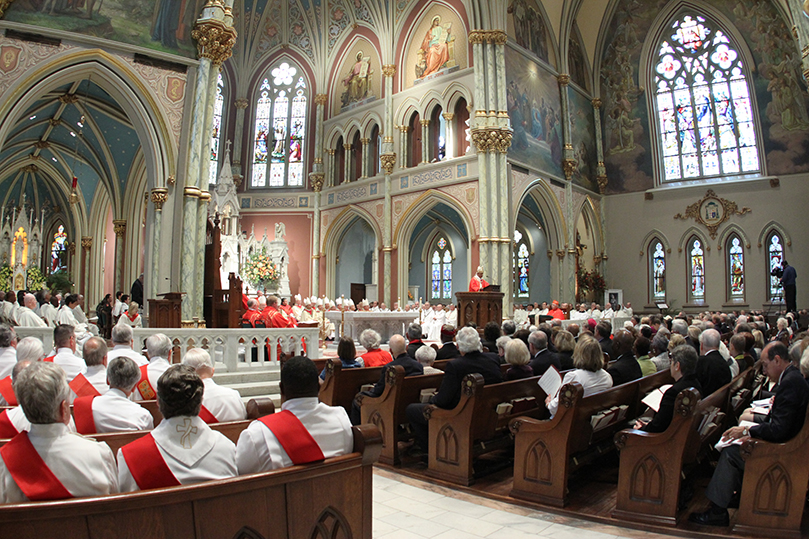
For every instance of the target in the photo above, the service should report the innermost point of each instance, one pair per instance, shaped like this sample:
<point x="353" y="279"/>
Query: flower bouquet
<point x="260" y="271"/>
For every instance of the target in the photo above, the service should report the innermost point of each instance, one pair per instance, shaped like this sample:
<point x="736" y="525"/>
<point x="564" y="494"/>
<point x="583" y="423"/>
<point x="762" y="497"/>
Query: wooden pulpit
<point x="165" y="312"/>
<point x="480" y="307"/>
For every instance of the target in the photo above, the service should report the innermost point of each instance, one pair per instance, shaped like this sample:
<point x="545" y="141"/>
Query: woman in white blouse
<point x="588" y="361"/>
<point x="131" y="317"/>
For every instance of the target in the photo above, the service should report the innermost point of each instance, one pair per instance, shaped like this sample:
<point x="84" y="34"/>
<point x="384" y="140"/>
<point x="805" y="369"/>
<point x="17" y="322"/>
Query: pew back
<point x="341" y="385"/>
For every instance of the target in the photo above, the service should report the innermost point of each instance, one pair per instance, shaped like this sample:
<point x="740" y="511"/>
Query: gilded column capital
<point x="215" y="40"/>
<point x="492" y="139"/>
<point x="597" y="103"/>
<point x="191" y="191"/>
<point x="241" y="103"/>
<point x="318" y="160"/>
<point x="330" y="151"/>
<point x="389" y="70"/>
<point x="159" y="197"/>
<point x="448" y="116"/>
<point x="387" y="139"/>
<point x="497" y="37"/>
<point x="86" y="243"/>
<point x="72" y="248"/>
<point x="321" y="99"/>
<point x="347" y="147"/>
<point x="477" y="37"/>
<point x="602" y="183"/>
<point x="563" y="78"/>
<point x="365" y="141"/>
<point x="425" y="123"/>
<point x="204" y="196"/>
<point x="569" y="166"/>
<point x="316" y="179"/>
<point x="388" y="159"/>
<point x="119" y="225"/>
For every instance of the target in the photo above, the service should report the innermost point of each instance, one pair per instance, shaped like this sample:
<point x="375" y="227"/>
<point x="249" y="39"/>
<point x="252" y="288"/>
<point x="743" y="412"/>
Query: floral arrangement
<point x="590" y="281"/>
<point x="260" y="271"/>
<point x="35" y="278"/>
<point x="5" y="277"/>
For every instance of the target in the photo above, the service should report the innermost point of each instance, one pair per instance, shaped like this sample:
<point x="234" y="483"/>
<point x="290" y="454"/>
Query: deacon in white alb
<point x="224" y="403"/>
<point x="8" y="352"/>
<point x="64" y="340"/>
<point x="439" y="318"/>
<point x="159" y="349"/>
<point x="113" y="411"/>
<point x="26" y="317"/>
<point x="122" y="341"/>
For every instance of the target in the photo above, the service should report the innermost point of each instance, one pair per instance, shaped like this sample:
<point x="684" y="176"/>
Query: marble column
<point x="569" y="162"/>
<point x="86" y="246"/>
<point x="188" y="271"/>
<point x="366" y="157"/>
<point x="425" y="141"/>
<point x="404" y="145"/>
<point x="159" y="196"/>
<point x="119" y="225"/>
<point x="205" y="152"/>
<point x="601" y="169"/>
<point x="240" y="134"/>
<point x="449" y="135"/>
<point x="387" y="162"/>
<point x="320" y="102"/>
<point x="330" y="168"/>
<point x="569" y="268"/>
<point x="347" y="163"/>
<point x="317" y="180"/>
<point x="202" y="232"/>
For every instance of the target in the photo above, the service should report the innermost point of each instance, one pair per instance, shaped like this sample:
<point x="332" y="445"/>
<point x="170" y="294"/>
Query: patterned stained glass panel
<point x="523" y="269"/>
<point x="442" y="243"/>
<point x="447" y="266"/>
<point x="261" y="135"/>
<point x="775" y="256"/>
<point x="436" y="276"/>
<point x="736" y="263"/>
<point x="218" y="105"/>
<point x="697" y="271"/>
<point x="58" y="261"/>
<point x="658" y="272"/>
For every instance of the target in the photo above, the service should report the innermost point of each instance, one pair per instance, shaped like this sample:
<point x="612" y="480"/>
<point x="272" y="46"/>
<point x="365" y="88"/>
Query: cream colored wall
<point x="630" y="217"/>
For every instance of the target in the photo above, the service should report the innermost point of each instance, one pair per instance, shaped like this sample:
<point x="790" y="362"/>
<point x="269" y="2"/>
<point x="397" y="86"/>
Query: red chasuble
<point x="293" y="437"/>
<point x="207" y="416"/>
<point x="30" y="472"/>
<point x="476" y="285"/>
<point x="82" y="387"/>
<point x="8" y="392"/>
<point x="83" y="415"/>
<point x="146" y="464"/>
<point x="7" y="428"/>
<point x="146" y="390"/>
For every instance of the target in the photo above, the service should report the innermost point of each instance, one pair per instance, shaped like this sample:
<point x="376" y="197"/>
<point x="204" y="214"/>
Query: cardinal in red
<point x="478" y="283"/>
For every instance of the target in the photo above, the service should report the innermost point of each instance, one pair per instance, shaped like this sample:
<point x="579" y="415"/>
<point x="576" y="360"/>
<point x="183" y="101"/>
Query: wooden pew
<point x="774" y="486"/>
<point x="341" y="385"/>
<point x="547" y="452"/>
<point x="387" y="411"/>
<point x="301" y="501"/>
<point x="472" y="428"/>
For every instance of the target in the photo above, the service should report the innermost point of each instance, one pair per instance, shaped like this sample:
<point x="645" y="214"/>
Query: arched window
<point x="280" y="114"/>
<point x="696" y="271"/>
<point x="373" y="154"/>
<point x="522" y="266"/>
<point x="414" y="141"/>
<point x="438" y="136"/>
<point x="735" y="268"/>
<point x="775" y="260"/>
<point x="461" y="118"/>
<point x="339" y="162"/>
<point x="218" y="105"/>
<point x="706" y="126"/>
<point x="356" y="157"/>
<point x="441" y="270"/>
<point x="657" y="271"/>
<point x="59" y="250"/>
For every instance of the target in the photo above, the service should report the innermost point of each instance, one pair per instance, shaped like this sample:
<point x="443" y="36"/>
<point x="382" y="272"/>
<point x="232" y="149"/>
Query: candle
<point x="75" y="181"/>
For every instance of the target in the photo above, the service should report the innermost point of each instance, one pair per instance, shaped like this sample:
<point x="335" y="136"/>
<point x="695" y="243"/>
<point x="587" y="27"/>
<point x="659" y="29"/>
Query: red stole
<point x="49" y="359"/>
<point x="146" y="464"/>
<point x="7" y="428"/>
<point x="8" y="392"/>
<point x="207" y="416"/>
<point x="30" y="472"/>
<point x="145" y="388"/>
<point x="293" y="437"/>
<point x="83" y="414"/>
<point x="82" y="387"/>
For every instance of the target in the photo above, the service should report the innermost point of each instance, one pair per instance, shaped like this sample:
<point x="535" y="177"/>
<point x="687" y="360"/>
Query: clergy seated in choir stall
<point x="113" y="411"/>
<point x="67" y="316"/>
<point x="182" y="449"/>
<point x="555" y="311"/>
<point x="219" y="404"/>
<point x="49" y="310"/>
<point x="49" y="462"/>
<point x="26" y="317"/>
<point x="159" y="349"/>
<point x="252" y="314"/>
<point x="478" y="283"/>
<point x="131" y="317"/>
<point x="275" y="316"/>
<point x="122" y="341"/>
<point x="374" y="355"/>
<point x="305" y="430"/>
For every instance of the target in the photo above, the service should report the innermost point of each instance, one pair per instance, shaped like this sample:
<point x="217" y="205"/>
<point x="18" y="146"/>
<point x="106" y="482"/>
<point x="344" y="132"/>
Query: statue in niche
<point x="358" y="81"/>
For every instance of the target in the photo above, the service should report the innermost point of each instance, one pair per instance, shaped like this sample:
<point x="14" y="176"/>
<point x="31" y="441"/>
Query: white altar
<point x="21" y="243"/>
<point x="386" y="324"/>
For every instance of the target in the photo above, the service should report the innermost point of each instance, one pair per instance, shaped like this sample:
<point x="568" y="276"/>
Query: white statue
<point x="280" y="231"/>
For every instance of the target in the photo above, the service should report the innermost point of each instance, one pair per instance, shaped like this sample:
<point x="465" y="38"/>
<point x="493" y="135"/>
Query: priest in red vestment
<point x="478" y="283"/>
<point x="555" y="311"/>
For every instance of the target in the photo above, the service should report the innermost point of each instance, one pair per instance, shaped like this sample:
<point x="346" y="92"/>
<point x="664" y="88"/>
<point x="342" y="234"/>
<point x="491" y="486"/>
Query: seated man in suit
<point x="712" y="369"/>
<point x="472" y="360"/>
<point x="219" y="404"/>
<point x="48" y="462"/>
<point x="448" y="349"/>
<point x="402" y="358"/>
<point x="603" y="332"/>
<point x="784" y="421"/>
<point x="541" y="357"/>
<point x="414" y="342"/>
<point x="305" y="430"/>
<point x="683" y="369"/>
<point x="625" y="368"/>
<point x="183" y="449"/>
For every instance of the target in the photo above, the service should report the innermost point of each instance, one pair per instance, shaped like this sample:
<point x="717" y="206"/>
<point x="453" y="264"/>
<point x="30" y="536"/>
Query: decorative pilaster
<point x="86" y="246"/>
<point x="241" y="105"/>
<point x="189" y="255"/>
<point x="330" y="167"/>
<point x="425" y="141"/>
<point x="569" y="162"/>
<point x="316" y="180"/>
<point x="347" y="163"/>
<point x="366" y="157"/>
<point x="450" y="135"/>
<point x="119" y="226"/>
<point x="404" y="145"/>
<point x="159" y="197"/>
<point x="601" y="170"/>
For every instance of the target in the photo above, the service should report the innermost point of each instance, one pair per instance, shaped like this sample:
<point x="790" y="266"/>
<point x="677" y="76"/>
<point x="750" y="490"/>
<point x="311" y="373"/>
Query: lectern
<point x="480" y="307"/>
<point x="165" y="313"/>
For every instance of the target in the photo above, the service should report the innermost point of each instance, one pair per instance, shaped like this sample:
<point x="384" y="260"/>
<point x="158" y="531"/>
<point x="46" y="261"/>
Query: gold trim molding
<point x="711" y="211"/>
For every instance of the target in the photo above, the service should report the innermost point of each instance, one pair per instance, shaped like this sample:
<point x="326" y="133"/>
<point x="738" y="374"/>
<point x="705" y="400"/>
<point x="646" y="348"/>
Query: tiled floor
<point x="405" y="508"/>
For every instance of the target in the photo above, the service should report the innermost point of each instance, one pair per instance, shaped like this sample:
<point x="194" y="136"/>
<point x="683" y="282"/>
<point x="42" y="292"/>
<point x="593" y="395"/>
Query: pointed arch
<point x="732" y="228"/>
<point x="334" y="235"/>
<point x="588" y="211"/>
<point x="405" y="111"/>
<point x="735" y="280"/>
<point x="767" y="229"/>
<point x="552" y="214"/>
<point x="654" y="233"/>
<point x="693" y="231"/>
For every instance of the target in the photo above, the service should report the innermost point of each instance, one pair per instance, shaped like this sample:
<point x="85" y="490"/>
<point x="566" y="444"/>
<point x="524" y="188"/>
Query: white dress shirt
<point x="157" y="366"/>
<point x="223" y="402"/>
<point x="97" y="375"/>
<point x="29" y="319"/>
<point x="21" y="423"/>
<point x="85" y="467"/>
<point x="258" y="450"/>
<point x="116" y="309"/>
<point x="8" y="358"/>
<point x="124" y="350"/>
<point x="70" y="362"/>
<point x="192" y="451"/>
<point x="591" y="382"/>
<point x="113" y="412"/>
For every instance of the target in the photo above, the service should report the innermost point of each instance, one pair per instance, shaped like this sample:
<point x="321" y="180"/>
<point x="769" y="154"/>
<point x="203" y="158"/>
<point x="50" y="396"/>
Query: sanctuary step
<point x="251" y="383"/>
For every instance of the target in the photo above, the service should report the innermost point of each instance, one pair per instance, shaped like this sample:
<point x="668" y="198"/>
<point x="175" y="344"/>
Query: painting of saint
<point x="435" y="51"/>
<point x="358" y="81"/>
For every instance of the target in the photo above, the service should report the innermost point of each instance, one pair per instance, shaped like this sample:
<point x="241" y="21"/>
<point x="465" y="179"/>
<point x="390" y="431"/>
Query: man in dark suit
<point x="472" y="360"/>
<point x="448" y="349"/>
<point x="683" y="369"/>
<point x="625" y="368"/>
<point x="602" y="333"/>
<point x="410" y="365"/>
<point x="712" y="369"/>
<point x="414" y="339"/>
<point x="541" y="357"/>
<point x="784" y="421"/>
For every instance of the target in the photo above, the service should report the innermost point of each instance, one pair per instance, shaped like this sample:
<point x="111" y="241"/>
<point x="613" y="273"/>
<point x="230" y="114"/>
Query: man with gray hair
<point x="426" y="356"/>
<point x="159" y="350"/>
<point x="30" y="348"/>
<point x="66" y="466"/>
<point x="113" y="411"/>
<point x="95" y="356"/>
<point x="414" y="342"/>
<point x="219" y="404"/>
<point x="64" y="340"/>
<point x="472" y="361"/>
<point x="8" y="352"/>
<point x="712" y="370"/>
<point x="541" y="358"/>
<point x="122" y="341"/>
<point x="26" y="317"/>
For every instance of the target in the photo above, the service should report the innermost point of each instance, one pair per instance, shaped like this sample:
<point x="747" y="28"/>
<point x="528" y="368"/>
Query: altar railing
<point x="233" y="347"/>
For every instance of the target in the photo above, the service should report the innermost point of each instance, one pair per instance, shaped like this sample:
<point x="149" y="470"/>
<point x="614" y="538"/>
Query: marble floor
<point x="406" y="508"/>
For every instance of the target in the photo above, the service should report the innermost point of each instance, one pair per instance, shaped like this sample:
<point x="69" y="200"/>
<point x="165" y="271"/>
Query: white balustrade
<point x="617" y="322"/>
<point x="386" y="324"/>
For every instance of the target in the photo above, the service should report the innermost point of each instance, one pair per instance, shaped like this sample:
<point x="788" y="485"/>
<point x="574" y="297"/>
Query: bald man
<point x="26" y="317"/>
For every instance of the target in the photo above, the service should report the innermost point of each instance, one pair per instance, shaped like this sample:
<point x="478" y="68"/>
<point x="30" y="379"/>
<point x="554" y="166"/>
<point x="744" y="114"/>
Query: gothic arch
<point x="334" y="235"/>
<point x="768" y="228"/>
<point x="368" y="121"/>
<point x="431" y="234"/>
<point x="454" y="92"/>
<point x="588" y="211"/>
<point x="686" y="237"/>
<point x="730" y="229"/>
<point x="551" y="210"/>
<point x="654" y="233"/>
<point x="406" y="110"/>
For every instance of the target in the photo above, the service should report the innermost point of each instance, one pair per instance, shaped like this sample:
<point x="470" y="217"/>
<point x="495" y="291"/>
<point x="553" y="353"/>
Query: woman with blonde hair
<point x="131" y="317"/>
<point x="588" y="360"/>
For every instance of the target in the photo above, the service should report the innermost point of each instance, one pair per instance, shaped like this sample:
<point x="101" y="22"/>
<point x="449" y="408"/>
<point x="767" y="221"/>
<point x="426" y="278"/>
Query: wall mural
<point x="163" y="25"/>
<point x="534" y="109"/>
<point x="777" y="85"/>
<point x="582" y="136"/>
<point x="576" y="63"/>
<point x="528" y="28"/>
<point x="438" y="46"/>
<point x="359" y="77"/>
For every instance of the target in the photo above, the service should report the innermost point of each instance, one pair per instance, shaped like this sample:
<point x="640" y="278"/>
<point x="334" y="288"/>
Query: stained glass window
<point x="775" y="258"/>
<point x="58" y="248"/>
<point x="522" y="266"/>
<point x="706" y="123"/>
<point x="441" y="271"/>
<point x="697" y="271"/>
<point x="658" y="265"/>
<point x="281" y="106"/>
<point x="736" y="267"/>
<point x="218" y="105"/>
